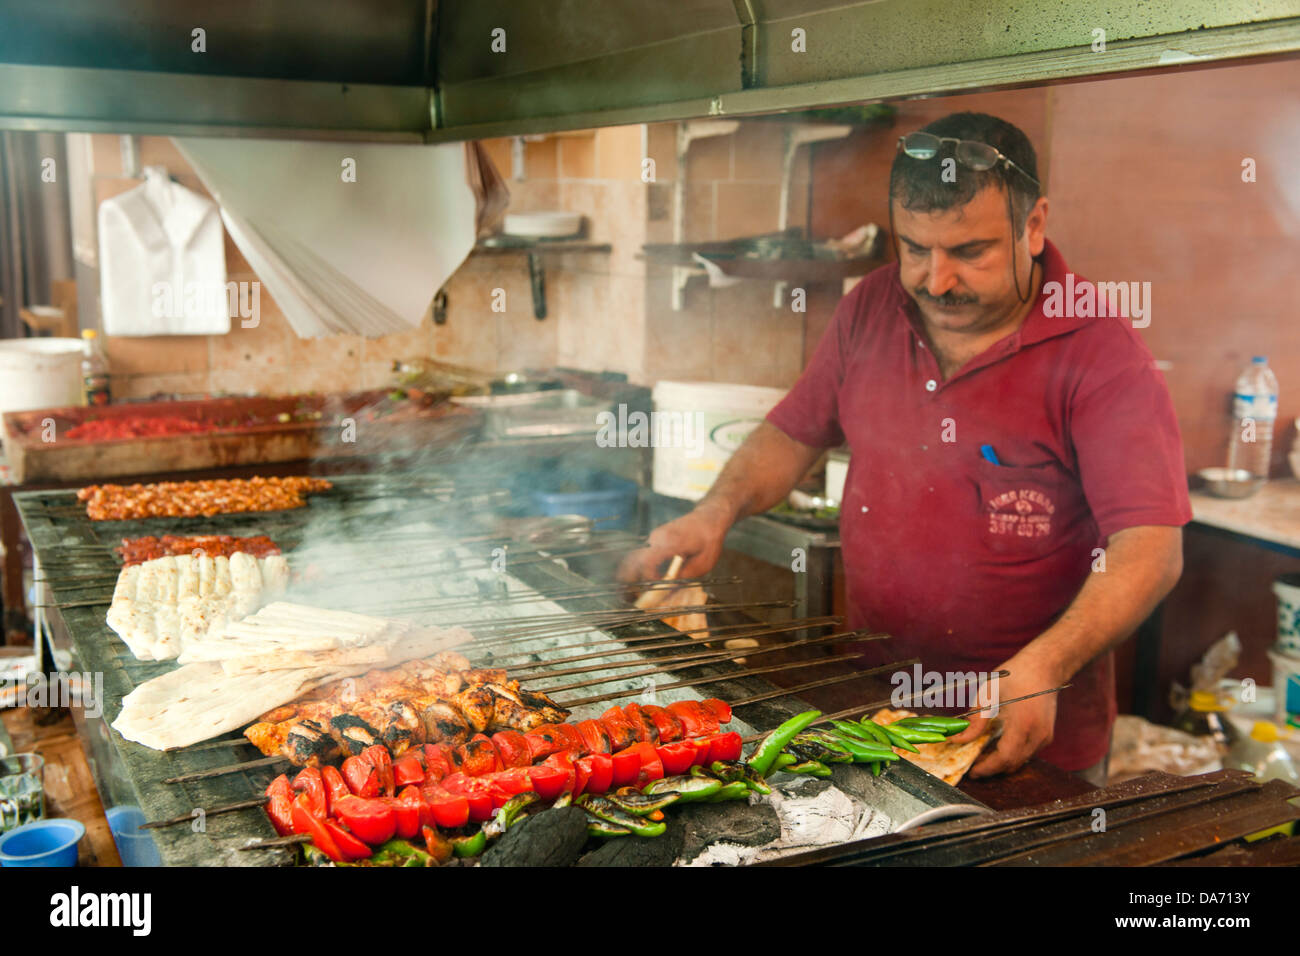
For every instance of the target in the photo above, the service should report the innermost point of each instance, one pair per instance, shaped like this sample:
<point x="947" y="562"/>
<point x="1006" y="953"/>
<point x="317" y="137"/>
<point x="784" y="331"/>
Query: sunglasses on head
<point x="970" y="153"/>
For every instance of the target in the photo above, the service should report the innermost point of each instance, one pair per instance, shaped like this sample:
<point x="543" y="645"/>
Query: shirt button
<point x="931" y="385"/>
<point x="864" y="509"/>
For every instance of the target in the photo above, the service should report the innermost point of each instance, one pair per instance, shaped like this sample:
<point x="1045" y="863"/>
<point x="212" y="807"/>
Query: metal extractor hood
<point x="434" y="70"/>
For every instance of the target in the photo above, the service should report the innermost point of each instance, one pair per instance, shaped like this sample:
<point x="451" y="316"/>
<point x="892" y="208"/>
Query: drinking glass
<point x="22" y="790"/>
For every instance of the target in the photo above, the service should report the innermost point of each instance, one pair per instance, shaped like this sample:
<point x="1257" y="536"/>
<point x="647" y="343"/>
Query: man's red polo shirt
<point x="963" y="561"/>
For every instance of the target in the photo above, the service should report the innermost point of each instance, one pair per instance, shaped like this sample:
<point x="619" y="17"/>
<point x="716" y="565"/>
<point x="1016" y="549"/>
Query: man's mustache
<point x="947" y="299"/>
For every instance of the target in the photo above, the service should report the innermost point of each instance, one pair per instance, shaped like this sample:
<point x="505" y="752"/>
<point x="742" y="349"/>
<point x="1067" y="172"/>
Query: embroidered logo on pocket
<point x="1021" y="513"/>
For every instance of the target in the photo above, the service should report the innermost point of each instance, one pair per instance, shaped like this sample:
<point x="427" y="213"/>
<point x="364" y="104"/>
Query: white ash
<point x="810" y="817"/>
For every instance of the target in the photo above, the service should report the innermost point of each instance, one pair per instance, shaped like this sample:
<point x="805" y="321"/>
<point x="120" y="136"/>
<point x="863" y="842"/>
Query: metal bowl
<point x="1223" y="483"/>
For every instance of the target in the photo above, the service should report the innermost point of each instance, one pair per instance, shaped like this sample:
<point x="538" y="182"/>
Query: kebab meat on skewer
<point x="440" y="699"/>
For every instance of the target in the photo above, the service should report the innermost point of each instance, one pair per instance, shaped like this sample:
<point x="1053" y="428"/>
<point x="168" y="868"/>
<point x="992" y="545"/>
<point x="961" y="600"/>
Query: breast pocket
<point x="1023" y="511"/>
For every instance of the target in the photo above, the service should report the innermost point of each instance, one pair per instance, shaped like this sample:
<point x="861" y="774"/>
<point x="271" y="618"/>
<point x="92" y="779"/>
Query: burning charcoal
<point x="549" y="838"/>
<point x="733" y="822"/>
<point x="662" y="850"/>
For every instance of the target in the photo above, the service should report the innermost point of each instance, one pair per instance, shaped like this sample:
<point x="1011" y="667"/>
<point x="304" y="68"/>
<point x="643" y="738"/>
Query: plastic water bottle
<point x="1254" y="409"/>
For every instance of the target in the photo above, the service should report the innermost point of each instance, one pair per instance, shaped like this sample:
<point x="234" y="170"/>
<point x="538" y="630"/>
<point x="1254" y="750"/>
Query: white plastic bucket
<point x="697" y="427"/>
<point x="39" y="373"/>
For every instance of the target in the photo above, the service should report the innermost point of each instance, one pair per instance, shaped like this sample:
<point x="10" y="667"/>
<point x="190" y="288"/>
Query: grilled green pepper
<point x="817" y="747"/>
<point x="731" y="771"/>
<point x="604" y="809"/>
<point x="563" y="800"/>
<point x="688" y="789"/>
<point x="509" y="814"/>
<point x="864" y="752"/>
<point x="847" y="728"/>
<point x="917" y="736"/>
<point x="738" y="790"/>
<point x="782" y="761"/>
<point x="874" y="730"/>
<point x="640" y="804"/>
<point x="776" y="741"/>
<point x="813" y="767"/>
<point x="470" y="845"/>
<point x="728" y="771"/>
<point x="897" y="739"/>
<point x="604" y="830"/>
<point x="944" y="725"/>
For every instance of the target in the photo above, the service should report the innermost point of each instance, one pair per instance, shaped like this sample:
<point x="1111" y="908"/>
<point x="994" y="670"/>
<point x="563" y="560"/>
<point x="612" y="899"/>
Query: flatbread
<point x="198" y="701"/>
<point x="947" y="761"/>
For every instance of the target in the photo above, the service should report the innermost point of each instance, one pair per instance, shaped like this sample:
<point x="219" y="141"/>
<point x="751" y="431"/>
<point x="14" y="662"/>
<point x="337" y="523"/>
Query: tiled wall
<point x="271" y="359"/>
<point x="606" y="311"/>
<point x="733" y="334"/>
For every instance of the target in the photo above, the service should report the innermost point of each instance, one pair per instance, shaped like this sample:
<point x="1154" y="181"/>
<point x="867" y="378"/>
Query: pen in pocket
<point x="989" y="454"/>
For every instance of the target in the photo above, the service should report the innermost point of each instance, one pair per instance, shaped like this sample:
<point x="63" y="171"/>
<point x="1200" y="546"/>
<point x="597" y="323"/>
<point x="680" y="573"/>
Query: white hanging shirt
<point x="162" y="261"/>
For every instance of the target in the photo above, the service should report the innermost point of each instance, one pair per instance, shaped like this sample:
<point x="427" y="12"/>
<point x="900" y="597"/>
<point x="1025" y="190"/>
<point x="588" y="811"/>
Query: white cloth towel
<point x="162" y="261"/>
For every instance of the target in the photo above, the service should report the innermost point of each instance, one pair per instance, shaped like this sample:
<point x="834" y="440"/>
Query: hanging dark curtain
<point x="35" y="224"/>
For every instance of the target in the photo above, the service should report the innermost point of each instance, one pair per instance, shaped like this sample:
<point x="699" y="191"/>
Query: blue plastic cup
<point x="42" y="843"/>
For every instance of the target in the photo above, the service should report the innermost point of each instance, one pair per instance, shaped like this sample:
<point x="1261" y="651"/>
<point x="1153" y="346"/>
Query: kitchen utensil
<point x="1223" y="483"/>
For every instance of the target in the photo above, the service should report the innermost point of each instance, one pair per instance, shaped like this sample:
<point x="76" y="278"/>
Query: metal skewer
<point x="748" y="672"/>
<point x="1012" y="700"/>
<point x="810" y="685"/>
<point x="694" y="662"/>
<point x="747" y="630"/>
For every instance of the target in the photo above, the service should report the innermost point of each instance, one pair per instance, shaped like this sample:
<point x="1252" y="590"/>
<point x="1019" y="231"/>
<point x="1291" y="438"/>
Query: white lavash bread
<point x="221" y="585"/>
<point x="167" y="627"/>
<point x="187" y="583"/>
<point x="199" y="701"/>
<point x="207" y="575"/>
<point x="275" y="574"/>
<point x="173" y="604"/>
<point x="127" y="581"/>
<point x="133" y="622"/>
<point x="146" y="588"/>
<point x="168" y="581"/>
<point x="245" y="575"/>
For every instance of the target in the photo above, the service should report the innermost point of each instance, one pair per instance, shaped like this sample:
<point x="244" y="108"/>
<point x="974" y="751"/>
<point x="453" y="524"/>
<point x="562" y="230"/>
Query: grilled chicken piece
<point x="398" y="723"/>
<point x="478" y="704"/>
<point x="535" y="699"/>
<point x="484" y="675"/>
<point x="308" y="743"/>
<point x="303" y="742"/>
<point x="523" y="711"/>
<point x="444" y="724"/>
<point x="268" y="737"/>
<point x="353" y="733"/>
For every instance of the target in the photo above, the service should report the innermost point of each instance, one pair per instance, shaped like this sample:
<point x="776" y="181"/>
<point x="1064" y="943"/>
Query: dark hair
<point x="919" y="186"/>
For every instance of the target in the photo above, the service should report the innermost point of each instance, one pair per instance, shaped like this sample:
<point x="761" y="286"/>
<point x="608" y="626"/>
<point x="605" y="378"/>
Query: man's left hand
<point x="1027" y="726"/>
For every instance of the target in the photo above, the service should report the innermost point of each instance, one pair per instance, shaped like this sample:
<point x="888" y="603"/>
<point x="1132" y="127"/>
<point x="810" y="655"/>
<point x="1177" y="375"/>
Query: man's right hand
<point x="696" y="536"/>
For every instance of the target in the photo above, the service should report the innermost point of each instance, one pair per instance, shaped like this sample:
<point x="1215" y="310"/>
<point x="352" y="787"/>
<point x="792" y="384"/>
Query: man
<point x="1016" y="489"/>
